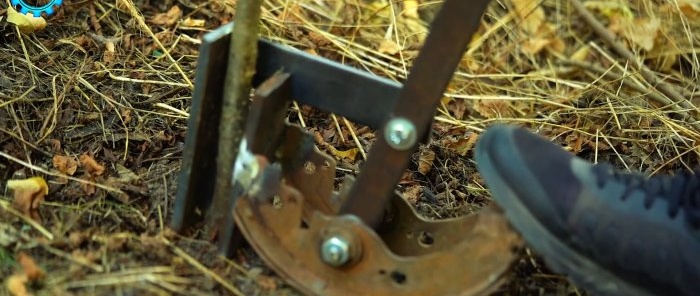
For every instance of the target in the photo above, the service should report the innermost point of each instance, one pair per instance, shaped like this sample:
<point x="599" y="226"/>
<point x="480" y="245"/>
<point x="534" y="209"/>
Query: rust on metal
<point x="405" y="255"/>
<point x="364" y="238"/>
<point x="432" y="70"/>
<point x="467" y="256"/>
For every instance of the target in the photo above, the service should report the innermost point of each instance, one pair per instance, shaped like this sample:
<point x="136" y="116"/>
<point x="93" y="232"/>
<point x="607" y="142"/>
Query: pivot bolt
<point x="400" y="133"/>
<point x="335" y="251"/>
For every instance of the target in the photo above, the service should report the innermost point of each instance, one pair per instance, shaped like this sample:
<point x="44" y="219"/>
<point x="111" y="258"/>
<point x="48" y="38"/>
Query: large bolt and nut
<point x="335" y="251"/>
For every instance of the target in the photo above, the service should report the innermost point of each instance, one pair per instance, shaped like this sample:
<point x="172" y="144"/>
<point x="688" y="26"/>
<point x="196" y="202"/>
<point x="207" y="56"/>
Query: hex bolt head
<point x="335" y="251"/>
<point x="400" y="133"/>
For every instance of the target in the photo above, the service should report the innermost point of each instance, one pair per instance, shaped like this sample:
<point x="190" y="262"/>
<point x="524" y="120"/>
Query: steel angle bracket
<point x="363" y="239"/>
<point x="356" y="95"/>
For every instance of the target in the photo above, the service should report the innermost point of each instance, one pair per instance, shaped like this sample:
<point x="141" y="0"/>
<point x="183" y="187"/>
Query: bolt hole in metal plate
<point x="470" y="261"/>
<point x="398" y="277"/>
<point x="468" y="255"/>
<point x="426" y="239"/>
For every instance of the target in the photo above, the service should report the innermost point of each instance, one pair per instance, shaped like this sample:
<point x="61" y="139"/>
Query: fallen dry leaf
<point x="123" y="5"/>
<point x="531" y="15"/>
<point x="193" y="23"/>
<point x="26" y="23"/>
<point x="542" y="34"/>
<point x="425" y="161"/>
<point x="581" y="54"/>
<point x="28" y="195"/>
<point x="266" y="282"/>
<point x="16" y="285"/>
<point x="167" y="18"/>
<point x="493" y="108"/>
<point x="65" y="164"/>
<point x="31" y="270"/>
<point x="412" y="194"/>
<point x="462" y="146"/>
<point x="388" y="47"/>
<point x="535" y="45"/>
<point x="611" y="9"/>
<point x="88" y="188"/>
<point x="349" y="154"/>
<point x="689" y="8"/>
<point x="125" y="174"/>
<point x="642" y="32"/>
<point x="410" y="8"/>
<point x="91" y="166"/>
<point x="110" y="53"/>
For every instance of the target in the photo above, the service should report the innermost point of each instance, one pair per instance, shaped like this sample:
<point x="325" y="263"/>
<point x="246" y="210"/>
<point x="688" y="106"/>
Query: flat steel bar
<point x="432" y="70"/>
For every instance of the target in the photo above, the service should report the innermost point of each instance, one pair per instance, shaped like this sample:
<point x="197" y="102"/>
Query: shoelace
<point x="681" y="191"/>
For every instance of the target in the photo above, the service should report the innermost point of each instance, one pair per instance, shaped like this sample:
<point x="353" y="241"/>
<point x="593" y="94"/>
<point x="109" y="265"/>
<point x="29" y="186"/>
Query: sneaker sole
<point x="557" y="255"/>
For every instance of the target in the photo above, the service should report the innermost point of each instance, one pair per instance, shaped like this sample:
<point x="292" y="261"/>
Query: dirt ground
<point x="97" y="108"/>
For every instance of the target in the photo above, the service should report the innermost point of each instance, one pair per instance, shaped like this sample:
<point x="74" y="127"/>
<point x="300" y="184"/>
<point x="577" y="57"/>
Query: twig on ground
<point x="663" y="87"/>
<point x="135" y="14"/>
<point x="8" y="207"/>
<point x="192" y="261"/>
<point x="355" y="139"/>
<point x="611" y="75"/>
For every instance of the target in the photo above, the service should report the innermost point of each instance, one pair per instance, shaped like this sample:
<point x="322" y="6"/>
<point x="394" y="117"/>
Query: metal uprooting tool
<point x="364" y="239"/>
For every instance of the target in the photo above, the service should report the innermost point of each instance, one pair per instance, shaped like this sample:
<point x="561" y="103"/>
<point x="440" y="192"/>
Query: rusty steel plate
<point x="465" y="256"/>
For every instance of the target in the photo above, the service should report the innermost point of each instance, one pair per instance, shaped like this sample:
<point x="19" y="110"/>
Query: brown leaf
<point x="168" y="18"/>
<point x="65" y="164"/>
<point x="76" y="238"/>
<point x="31" y="270"/>
<point x="462" y="146"/>
<point x="575" y="142"/>
<point x="28" y="195"/>
<point x="17" y="283"/>
<point x="91" y="166"/>
<point x="425" y="161"/>
<point x="412" y="194"/>
<point x="690" y="8"/>
<point x="642" y="32"/>
<point x="88" y="188"/>
<point x="493" y="108"/>
<point x="266" y="282"/>
<point x="457" y="108"/>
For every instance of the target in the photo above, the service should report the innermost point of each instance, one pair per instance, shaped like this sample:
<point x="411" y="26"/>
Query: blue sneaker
<point x="612" y="232"/>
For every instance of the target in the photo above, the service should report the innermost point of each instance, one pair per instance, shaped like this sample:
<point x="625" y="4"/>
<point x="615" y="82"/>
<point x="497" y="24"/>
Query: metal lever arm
<point x="449" y="35"/>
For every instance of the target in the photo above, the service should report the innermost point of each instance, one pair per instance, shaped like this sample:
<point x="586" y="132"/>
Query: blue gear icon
<point x="47" y="8"/>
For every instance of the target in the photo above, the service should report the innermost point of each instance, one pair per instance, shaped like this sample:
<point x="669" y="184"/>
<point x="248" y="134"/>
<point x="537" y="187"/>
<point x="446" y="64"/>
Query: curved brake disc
<point x="366" y="239"/>
<point x="466" y="256"/>
<point x="406" y="255"/>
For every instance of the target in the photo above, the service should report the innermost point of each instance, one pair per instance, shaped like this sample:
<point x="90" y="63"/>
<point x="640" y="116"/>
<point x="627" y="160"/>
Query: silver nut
<point x="400" y="133"/>
<point x="335" y="251"/>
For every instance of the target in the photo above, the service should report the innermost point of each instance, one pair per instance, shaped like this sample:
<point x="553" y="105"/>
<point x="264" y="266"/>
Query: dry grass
<point x="107" y="88"/>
